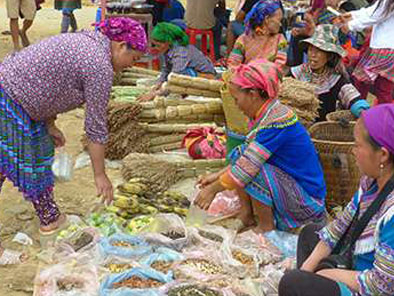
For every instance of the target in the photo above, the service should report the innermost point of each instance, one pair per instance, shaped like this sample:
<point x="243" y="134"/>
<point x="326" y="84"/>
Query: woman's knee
<point x="288" y="285"/>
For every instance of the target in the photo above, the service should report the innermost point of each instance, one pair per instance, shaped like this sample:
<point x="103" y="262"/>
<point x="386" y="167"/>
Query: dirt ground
<point x="75" y="197"/>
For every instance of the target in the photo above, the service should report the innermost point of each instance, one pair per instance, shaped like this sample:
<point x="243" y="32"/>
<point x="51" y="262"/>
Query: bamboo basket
<point x="334" y="143"/>
<point x="341" y="116"/>
<point x="236" y="121"/>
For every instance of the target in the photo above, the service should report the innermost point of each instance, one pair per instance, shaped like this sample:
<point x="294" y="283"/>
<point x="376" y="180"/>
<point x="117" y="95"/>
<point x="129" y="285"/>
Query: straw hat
<point x="326" y="39"/>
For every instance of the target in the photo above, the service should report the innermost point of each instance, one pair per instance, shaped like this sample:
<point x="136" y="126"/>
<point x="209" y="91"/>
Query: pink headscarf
<point x="125" y="29"/>
<point x="379" y="122"/>
<point x="258" y="74"/>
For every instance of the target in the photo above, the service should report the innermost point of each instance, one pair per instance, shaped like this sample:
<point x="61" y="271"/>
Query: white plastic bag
<point x="62" y="166"/>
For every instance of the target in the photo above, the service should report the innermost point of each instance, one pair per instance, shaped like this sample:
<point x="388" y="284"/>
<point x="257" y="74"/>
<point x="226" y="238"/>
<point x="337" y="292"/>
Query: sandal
<point x="10" y="257"/>
<point x="59" y="228"/>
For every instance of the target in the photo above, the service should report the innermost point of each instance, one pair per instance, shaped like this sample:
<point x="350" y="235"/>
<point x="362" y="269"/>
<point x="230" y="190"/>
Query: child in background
<point x="67" y="7"/>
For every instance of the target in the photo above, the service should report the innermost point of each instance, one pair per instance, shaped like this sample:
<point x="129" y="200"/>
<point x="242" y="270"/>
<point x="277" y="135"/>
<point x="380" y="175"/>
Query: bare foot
<point x="25" y="40"/>
<point x="247" y="220"/>
<point x="259" y="229"/>
<point x="54" y="225"/>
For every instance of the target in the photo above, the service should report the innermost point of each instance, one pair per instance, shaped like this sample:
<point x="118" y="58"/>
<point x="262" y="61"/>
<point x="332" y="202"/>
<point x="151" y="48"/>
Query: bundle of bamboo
<point x="193" y="86"/>
<point x="131" y="75"/>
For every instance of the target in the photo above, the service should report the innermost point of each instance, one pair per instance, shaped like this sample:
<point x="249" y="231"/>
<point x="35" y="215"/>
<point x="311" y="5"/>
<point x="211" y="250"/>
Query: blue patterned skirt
<point x="292" y="206"/>
<point x="26" y="150"/>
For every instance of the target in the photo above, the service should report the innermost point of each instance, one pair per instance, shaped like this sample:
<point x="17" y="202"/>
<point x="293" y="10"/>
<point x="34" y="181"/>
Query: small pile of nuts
<point x="136" y="282"/>
<point x="118" y="268"/>
<point x="193" y="290"/>
<point x="241" y="257"/>
<point x="203" y="266"/>
<point x="161" y="266"/>
<point x="122" y="244"/>
<point x="173" y="235"/>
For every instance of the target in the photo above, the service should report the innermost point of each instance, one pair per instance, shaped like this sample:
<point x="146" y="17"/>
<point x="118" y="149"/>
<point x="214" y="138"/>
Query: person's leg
<point x="73" y="23"/>
<point x="217" y="39"/>
<point x="302" y="283"/>
<point x="47" y="211"/>
<point x="28" y="9"/>
<point x="384" y="90"/>
<point x="26" y="25"/>
<point x="307" y="241"/>
<point x="14" y="27"/>
<point x="65" y="22"/>
<point x="265" y="217"/>
<point x="362" y="87"/>
<point x="246" y="213"/>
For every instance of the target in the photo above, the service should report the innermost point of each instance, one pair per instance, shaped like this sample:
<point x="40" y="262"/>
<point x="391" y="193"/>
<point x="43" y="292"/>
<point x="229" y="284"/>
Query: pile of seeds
<point x="241" y="257"/>
<point x="136" y="282"/>
<point x="193" y="290"/>
<point x="118" y="268"/>
<point x="161" y="266"/>
<point x="203" y="266"/>
<point x="122" y="244"/>
<point x="210" y="235"/>
<point x="173" y="234"/>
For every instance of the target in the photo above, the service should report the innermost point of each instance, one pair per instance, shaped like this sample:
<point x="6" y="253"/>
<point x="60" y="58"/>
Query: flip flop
<point x="61" y="227"/>
<point x="10" y="257"/>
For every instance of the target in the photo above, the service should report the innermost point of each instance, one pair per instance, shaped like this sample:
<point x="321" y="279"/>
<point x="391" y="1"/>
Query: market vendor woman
<point x="54" y="76"/>
<point x="180" y="56"/>
<point x="276" y="172"/>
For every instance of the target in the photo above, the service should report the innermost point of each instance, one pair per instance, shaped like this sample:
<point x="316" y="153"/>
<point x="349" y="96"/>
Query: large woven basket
<point x="236" y="121"/>
<point x="341" y="116"/>
<point x="334" y="143"/>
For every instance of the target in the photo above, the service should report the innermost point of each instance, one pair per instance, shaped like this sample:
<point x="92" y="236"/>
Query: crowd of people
<point x="276" y="170"/>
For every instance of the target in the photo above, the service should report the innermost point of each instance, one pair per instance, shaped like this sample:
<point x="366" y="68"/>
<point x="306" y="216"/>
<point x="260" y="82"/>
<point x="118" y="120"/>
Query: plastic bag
<point x="62" y="166"/>
<point x="72" y="278"/>
<point x="286" y="242"/>
<point x="162" y="254"/>
<point x="225" y="203"/>
<point x="166" y="230"/>
<point x="133" y="246"/>
<point x="106" y="287"/>
<point x="209" y="234"/>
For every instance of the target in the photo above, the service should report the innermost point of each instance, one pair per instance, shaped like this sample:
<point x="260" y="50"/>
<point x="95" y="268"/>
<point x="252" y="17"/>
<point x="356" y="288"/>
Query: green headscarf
<point x="166" y="32"/>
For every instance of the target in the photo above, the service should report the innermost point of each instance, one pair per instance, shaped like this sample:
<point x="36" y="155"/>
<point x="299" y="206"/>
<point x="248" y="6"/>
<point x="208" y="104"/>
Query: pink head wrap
<point x="258" y="74"/>
<point x="125" y="29"/>
<point x="379" y="122"/>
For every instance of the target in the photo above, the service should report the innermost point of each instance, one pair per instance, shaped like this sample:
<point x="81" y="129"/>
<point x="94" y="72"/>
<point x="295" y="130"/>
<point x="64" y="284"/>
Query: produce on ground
<point x="162" y="266"/>
<point x="203" y="266"/>
<point x="118" y="267"/>
<point x="136" y="282"/>
<point x="192" y="290"/>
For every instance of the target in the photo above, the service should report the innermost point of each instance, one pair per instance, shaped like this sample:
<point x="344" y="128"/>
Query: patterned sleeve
<point x="237" y="55"/>
<point x="256" y="154"/>
<point x="97" y="84"/>
<point x="350" y="98"/>
<point x="332" y="233"/>
<point x="179" y="60"/>
<point x="165" y="71"/>
<point x="380" y="279"/>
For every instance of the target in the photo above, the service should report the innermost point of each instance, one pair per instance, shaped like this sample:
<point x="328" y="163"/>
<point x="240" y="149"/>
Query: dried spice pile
<point x="136" y="282"/>
<point x="193" y="290"/>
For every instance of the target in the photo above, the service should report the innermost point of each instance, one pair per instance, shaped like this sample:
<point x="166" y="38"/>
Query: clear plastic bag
<point x="125" y="246"/>
<point x="286" y="242"/>
<point x="225" y="203"/>
<point x="166" y="230"/>
<point x="71" y="278"/>
<point x="107" y="286"/>
<point x="62" y="166"/>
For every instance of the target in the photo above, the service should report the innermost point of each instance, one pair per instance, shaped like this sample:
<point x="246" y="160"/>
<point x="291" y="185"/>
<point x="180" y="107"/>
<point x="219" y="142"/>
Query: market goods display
<point x="161" y="266"/>
<point x="203" y="266"/>
<point x="136" y="282"/>
<point x="131" y="75"/>
<point x="118" y="267"/>
<point x="193" y="290"/>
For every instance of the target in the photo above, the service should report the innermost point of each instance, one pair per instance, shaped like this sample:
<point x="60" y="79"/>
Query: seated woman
<point x="373" y="254"/>
<point x="180" y="56"/>
<point x="326" y="71"/>
<point x="261" y="39"/>
<point x="276" y="172"/>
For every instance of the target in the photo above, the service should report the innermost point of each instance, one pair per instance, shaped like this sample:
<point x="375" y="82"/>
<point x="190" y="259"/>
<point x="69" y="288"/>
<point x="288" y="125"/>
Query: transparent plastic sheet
<point x="77" y="276"/>
<point x="159" y="232"/>
<point x="138" y="247"/>
<point x="62" y="166"/>
<point x="225" y="203"/>
<point x="106" y="223"/>
<point x="286" y="242"/>
<point x="186" y="288"/>
<point x="106" y="287"/>
<point x="265" y="252"/>
<point x="210" y="234"/>
<point x="122" y="265"/>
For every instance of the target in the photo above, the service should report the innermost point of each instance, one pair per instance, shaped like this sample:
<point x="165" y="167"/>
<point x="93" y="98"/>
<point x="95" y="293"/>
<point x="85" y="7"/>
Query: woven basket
<point x="236" y="121"/>
<point x="341" y="116"/>
<point x="334" y="143"/>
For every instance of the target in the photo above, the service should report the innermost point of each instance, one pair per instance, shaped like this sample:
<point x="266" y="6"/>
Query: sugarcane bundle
<point x="195" y="82"/>
<point x="158" y="174"/>
<point x="127" y="93"/>
<point x="190" y="91"/>
<point x="157" y="140"/>
<point x="165" y="147"/>
<point x="135" y="75"/>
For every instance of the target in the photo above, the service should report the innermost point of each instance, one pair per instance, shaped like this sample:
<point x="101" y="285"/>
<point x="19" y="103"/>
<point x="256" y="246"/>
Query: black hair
<point x="263" y="94"/>
<point x="387" y="6"/>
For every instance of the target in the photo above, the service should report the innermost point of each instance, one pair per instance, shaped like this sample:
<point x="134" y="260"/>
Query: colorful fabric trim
<point x="26" y="150"/>
<point x="46" y="208"/>
<point x="374" y="63"/>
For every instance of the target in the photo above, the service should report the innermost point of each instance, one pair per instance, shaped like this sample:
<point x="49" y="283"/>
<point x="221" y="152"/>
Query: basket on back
<point x="334" y="143"/>
<point x="343" y="116"/>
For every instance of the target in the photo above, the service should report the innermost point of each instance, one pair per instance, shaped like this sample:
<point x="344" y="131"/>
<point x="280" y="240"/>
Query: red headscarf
<point x="258" y="74"/>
